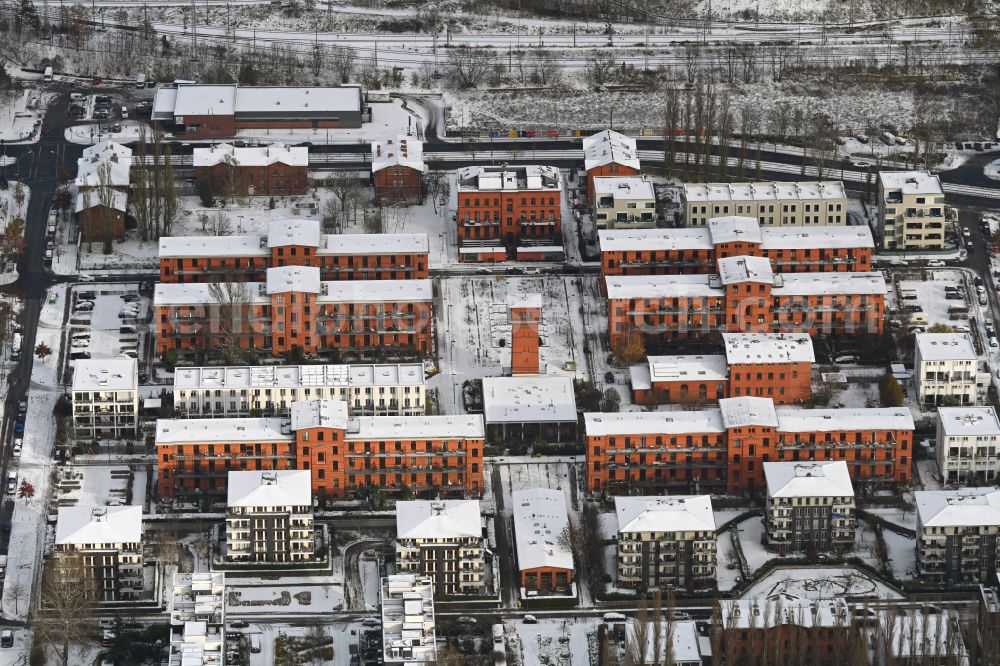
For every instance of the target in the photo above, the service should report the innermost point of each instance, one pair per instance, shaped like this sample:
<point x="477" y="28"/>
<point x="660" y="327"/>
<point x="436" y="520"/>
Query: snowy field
<point x="569" y="642"/>
<point x="819" y="583"/>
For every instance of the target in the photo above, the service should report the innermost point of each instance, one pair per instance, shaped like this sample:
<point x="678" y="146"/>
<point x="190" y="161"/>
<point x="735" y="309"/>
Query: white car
<point x="936" y="263"/>
<point x="16" y="448"/>
<point x="861" y="164"/>
<point x="993" y="343"/>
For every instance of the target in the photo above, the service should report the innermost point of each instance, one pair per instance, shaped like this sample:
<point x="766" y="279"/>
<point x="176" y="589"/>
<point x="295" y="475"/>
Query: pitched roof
<point x="274" y="488"/>
<point x="745" y="269"/>
<point x="319" y="414"/>
<point x="401" y="150"/>
<point x="748" y="411"/>
<point x="674" y="513"/>
<point x="85" y="525"/>
<point x="528" y="399"/>
<point x="254" y="156"/>
<point x="438" y="519"/>
<point x="607" y="147"/>
<point x="967" y="507"/>
<point x="541" y="529"/>
<point x="808" y="479"/>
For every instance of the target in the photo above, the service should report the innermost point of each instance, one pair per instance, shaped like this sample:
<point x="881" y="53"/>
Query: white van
<point x="255" y="643"/>
<point x="140" y="81"/>
<point x="47" y="76"/>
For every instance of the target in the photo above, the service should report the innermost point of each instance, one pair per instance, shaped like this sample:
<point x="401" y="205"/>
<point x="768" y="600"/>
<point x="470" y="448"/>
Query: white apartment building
<point x="105" y="394"/>
<point x="269" y="516"/>
<point x="408" y="634"/>
<point x="968" y="445"/>
<point x="106" y="542"/>
<point x="957" y="534"/>
<point x="810" y="506"/>
<point x="945" y="366"/>
<point x="442" y="540"/>
<point x="393" y="389"/>
<point x="197" y="620"/>
<point x="666" y="542"/>
<point x="801" y="204"/>
<point x="624" y="202"/>
<point x="910" y="210"/>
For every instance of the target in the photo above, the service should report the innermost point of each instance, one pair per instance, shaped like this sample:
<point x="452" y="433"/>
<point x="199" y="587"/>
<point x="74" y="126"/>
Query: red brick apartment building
<point x="398" y="169"/>
<point x="274" y="170"/>
<point x="509" y="206"/>
<point x="725" y="448"/>
<point x="293" y="243"/>
<point x="696" y="250"/>
<point x="609" y="153"/>
<point x="345" y="456"/>
<point x="769" y="365"/>
<point x="101" y="215"/>
<point x="295" y="308"/>
<point x="745" y="296"/>
<point x="103" y="178"/>
<point x="783" y="629"/>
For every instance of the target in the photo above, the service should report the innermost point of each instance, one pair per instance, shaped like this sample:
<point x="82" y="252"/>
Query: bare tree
<point x="229" y="321"/>
<point x="547" y="68"/>
<point x="67" y="600"/>
<point x="344" y="61"/>
<point x="468" y="67"/>
<point x="600" y="69"/>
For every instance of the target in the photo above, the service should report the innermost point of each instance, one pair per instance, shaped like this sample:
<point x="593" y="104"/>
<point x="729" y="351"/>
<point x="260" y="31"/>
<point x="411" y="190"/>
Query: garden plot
<point x="820" y="583"/>
<point x="306" y="596"/>
<point x="566" y="642"/>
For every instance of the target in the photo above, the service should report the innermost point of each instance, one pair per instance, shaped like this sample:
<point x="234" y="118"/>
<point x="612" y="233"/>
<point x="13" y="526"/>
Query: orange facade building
<point x="723" y="449"/>
<point x="509" y="206"/>
<point x="347" y="457"/>
<point x="609" y="153"/>
<point x="697" y="250"/>
<point x="294" y="308"/>
<point x="246" y="258"/>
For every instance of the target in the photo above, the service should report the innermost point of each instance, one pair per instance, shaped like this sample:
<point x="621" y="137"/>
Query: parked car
<point x="79" y="355"/>
<point x="16" y="448"/>
<point x="861" y="138"/>
<point x="6" y="638"/>
<point x="936" y="263"/>
<point x="19" y="427"/>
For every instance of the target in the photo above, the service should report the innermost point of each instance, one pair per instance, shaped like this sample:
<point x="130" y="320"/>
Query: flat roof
<point x="297" y="99"/>
<point x="794" y="419"/>
<point x="439" y="519"/>
<point x="323" y="413"/>
<point x="336" y="291"/>
<point x="204" y="100"/>
<point x="625" y="187"/>
<point x="761" y="348"/>
<point x="407" y="427"/>
<point x="829" y="237"/>
<point x="269" y="488"/>
<point x="945" y="347"/>
<point x="541" y="529"/>
<point x="374" y="244"/>
<point x="106" y="374"/>
<point x="531" y="177"/>
<point x="661" y="286"/>
<point x="735" y="229"/>
<point x="708" y="367"/>
<point x="304" y="232"/>
<point x="674" y="513"/>
<point x="764" y="191"/>
<point x="529" y="399"/>
<point x="808" y="479"/>
<point x="967" y="507"/>
<point x="91" y="525"/>
<point x="285" y="279"/>
<point x="635" y="240"/>
<point x="748" y="411"/>
<point x="195" y="431"/>
<point x="968" y="421"/>
<point x="830" y="284"/>
<point x="176" y="247"/>
<point x="298" y="376"/>
<point x="911" y="182"/>
<point x="607" y="424"/>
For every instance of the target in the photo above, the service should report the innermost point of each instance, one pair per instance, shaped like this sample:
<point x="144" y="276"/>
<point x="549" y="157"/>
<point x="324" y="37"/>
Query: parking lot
<point x="109" y="321"/>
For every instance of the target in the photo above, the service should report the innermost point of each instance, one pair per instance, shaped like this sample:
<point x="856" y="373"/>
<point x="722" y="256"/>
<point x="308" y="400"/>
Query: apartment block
<point x="746" y="296"/>
<point x="102" y="547"/>
<point x="800" y="204"/>
<point x="541" y="535"/>
<point x="697" y="250"/>
<point x="666" y="542"/>
<point x="443" y="541"/>
<point x="398" y="169"/>
<point x="272" y="170"/>
<point x="509" y="206"/>
<point x="295" y="309"/>
<point x="197" y="620"/>
<point x="346" y="456"/>
<point x="968" y="445"/>
<point x="246" y="258"/>
<point x="957" y="534"/>
<point x="784" y="629"/>
<point x="527" y="408"/>
<point x="609" y="153"/>
<point x="269" y="517"/>
<point x="624" y="202"/>
<point x="408" y="625"/>
<point x="390" y="389"/>
<point x="724" y="448"/>
<point x="810" y="507"/>
<point x="911" y="213"/>
<point x="945" y="367"/>
<point x="105" y="397"/>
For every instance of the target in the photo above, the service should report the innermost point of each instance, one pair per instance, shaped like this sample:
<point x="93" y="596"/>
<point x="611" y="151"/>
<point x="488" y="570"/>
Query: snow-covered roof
<point x="690" y="367"/>
<point x="528" y="399"/>
<point x="910" y="182"/>
<point x="607" y="147"/>
<point x="638" y="378"/>
<point x="967" y="507"/>
<point x="104" y="150"/>
<point x="197" y="431"/>
<point x="200" y="293"/>
<point x="401" y="150"/>
<point x="793" y="419"/>
<point x="733" y="270"/>
<point x="297" y="376"/>
<point x="685" y="646"/>
<point x="115" y="199"/>
<point x="282" y="233"/>
<point x="509" y="178"/>
<point x="820" y="238"/>
<point x="204" y="100"/>
<point x="269" y="488"/>
<point x="103" y="172"/>
<point x="284" y="279"/>
<point x="211" y="246"/>
<point x="830" y="284"/>
<point x="106" y="374"/>
<point x="625" y="187"/>
<point x="764" y="191"/>
<point x="808" y="479"/>
<point x="761" y="348"/>
<point x="660" y="286"/>
<point x="319" y="414"/>
<point x="674" y="513"/>
<point x="734" y="229"/>
<point x="228" y="100"/>
<point x="633" y="240"/>
<point x="407" y="427"/>
<point x="92" y="525"/>
<point x="945" y="347"/>
<point x="781" y="609"/>
<point x="531" y="301"/>
<point x="438" y="519"/>
<point x="389" y="244"/>
<point x="541" y="529"/>
<point x="607" y="424"/>
<point x="931" y="636"/>
<point x="252" y="156"/>
<point x="748" y="411"/>
<point x="337" y="291"/>
<point x="968" y="422"/>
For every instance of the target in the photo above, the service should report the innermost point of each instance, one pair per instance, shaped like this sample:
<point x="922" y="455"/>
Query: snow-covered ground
<point x="14" y="201"/>
<point x="307" y="595"/>
<point x="21" y="115"/>
<point x="569" y="642"/>
<point x="819" y="583"/>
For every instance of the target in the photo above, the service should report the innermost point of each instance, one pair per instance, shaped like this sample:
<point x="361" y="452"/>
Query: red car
<point x="46" y="130"/>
